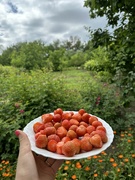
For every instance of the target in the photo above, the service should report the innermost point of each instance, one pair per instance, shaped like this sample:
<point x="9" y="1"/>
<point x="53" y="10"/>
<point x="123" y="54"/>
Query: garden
<point x="27" y="95"/>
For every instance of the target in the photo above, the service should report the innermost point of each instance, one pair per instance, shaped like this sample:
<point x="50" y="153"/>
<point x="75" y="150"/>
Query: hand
<point x="31" y="166"/>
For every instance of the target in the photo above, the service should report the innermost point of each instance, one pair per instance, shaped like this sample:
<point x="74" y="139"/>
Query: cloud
<point x="13" y="8"/>
<point x="47" y="20"/>
<point x="69" y="15"/>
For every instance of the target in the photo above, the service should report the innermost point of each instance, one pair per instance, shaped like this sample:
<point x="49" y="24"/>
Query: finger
<point x="26" y="166"/>
<point x="24" y="142"/>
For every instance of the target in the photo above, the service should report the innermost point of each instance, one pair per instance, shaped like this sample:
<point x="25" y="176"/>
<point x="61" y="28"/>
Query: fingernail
<point x="17" y="133"/>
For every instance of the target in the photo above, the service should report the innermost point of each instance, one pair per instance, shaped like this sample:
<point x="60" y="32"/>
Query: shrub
<point x="99" y="63"/>
<point x="105" y="101"/>
<point x="26" y="96"/>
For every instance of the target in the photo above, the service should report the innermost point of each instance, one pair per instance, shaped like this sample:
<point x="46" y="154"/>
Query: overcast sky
<point x="46" y="20"/>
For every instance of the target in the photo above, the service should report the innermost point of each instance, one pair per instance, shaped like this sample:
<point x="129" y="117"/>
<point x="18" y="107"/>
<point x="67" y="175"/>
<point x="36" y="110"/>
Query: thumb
<point x="24" y="142"/>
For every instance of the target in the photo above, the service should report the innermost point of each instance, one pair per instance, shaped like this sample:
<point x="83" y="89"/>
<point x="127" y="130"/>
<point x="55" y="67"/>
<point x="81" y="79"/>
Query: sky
<point x="45" y="20"/>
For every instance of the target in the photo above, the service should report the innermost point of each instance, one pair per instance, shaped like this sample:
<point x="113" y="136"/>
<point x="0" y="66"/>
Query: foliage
<point x="57" y="60"/>
<point x="29" y="56"/>
<point x="117" y="162"/>
<point x="123" y="62"/>
<point x="106" y="101"/>
<point x="9" y="144"/>
<point x="25" y="96"/>
<point x="73" y="43"/>
<point x="121" y="45"/>
<point x="78" y="59"/>
<point x="7" y="170"/>
<point x="100" y="98"/>
<point x="5" y="57"/>
<point x="99" y="37"/>
<point x="100" y="63"/>
<point x="38" y="55"/>
<point x="112" y="10"/>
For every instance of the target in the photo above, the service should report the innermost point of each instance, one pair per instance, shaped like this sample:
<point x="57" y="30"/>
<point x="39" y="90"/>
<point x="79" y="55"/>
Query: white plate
<point x="31" y="135"/>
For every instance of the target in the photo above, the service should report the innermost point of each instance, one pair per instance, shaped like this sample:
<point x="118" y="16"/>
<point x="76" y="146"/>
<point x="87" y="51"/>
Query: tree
<point x="73" y="43"/>
<point x="5" y="57"/>
<point x="120" y="15"/>
<point x="30" y="55"/>
<point x="99" y="63"/>
<point x="56" y="59"/>
<point x="100" y="37"/>
<point x="78" y="59"/>
<point x="1" y="49"/>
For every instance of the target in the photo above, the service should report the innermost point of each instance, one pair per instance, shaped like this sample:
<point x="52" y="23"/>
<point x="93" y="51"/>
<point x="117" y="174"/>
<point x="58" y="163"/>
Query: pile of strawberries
<point x="69" y="133"/>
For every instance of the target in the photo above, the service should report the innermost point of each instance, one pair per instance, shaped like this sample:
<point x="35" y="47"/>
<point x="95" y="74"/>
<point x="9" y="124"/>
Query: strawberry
<point x="81" y="130"/>
<point x="50" y="130"/>
<point x="85" y="144"/>
<point x="54" y="137"/>
<point x="73" y="127"/>
<point x="59" y="146"/>
<point x="77" y="116"/>
<point x="38" y="126"/>
<point x="47" y="118"/>
<point x="90" y="129"/>
<point x="96" y="124"/>
<point x="71" y="134"/>
<point x="68" y="149"/>
<point x="51" y="146"/>
<point x="103" y="135"/>
<point x="57" y="118"/>
<point x="61" y="132"/>
<point x="77" y="144"/>
<point x="96" y="141"/>
<point x="74" y="122"/>
<point x="41" y="141"/>
<point x="66" y="124"/>
<point x="85" y="117"/>
<point x="65" y="139"/>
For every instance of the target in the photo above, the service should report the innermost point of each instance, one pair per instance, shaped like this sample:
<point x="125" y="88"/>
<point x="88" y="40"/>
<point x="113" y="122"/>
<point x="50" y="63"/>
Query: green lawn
<point x="74" y="78"/>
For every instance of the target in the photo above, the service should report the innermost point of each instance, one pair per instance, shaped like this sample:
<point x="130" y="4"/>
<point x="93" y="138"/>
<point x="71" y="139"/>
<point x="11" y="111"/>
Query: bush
<point x="105" y="101"/>
<point x="99" y="63"/>
<point x="25" y="96"/>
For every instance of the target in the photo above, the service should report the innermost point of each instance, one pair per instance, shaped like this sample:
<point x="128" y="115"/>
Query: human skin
<point x="31" y="166"/>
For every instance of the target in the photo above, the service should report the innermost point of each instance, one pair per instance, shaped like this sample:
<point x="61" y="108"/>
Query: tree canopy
<point x="120" y="15"/>
<point x="38" y="55"/>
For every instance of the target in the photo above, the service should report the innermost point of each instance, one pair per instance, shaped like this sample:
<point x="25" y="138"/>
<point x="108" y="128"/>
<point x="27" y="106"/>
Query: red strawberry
<point x="96" y="141"/>
<point x="41" y="141"/>
<point x="68" y="149"/>
<point x="38" y="126"/>
<point x="59" y="146"/>
<point x="61" y="132"/>
<point x="51" y="146"/>
<point x="85" y="144"/>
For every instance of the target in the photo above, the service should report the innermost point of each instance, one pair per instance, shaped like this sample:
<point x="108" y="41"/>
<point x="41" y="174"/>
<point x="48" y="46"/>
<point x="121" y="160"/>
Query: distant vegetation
<point x="99" y="55"/>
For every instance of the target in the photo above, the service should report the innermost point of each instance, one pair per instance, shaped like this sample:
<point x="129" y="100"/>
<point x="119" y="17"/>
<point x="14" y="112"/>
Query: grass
<point x="74" y="78"/>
